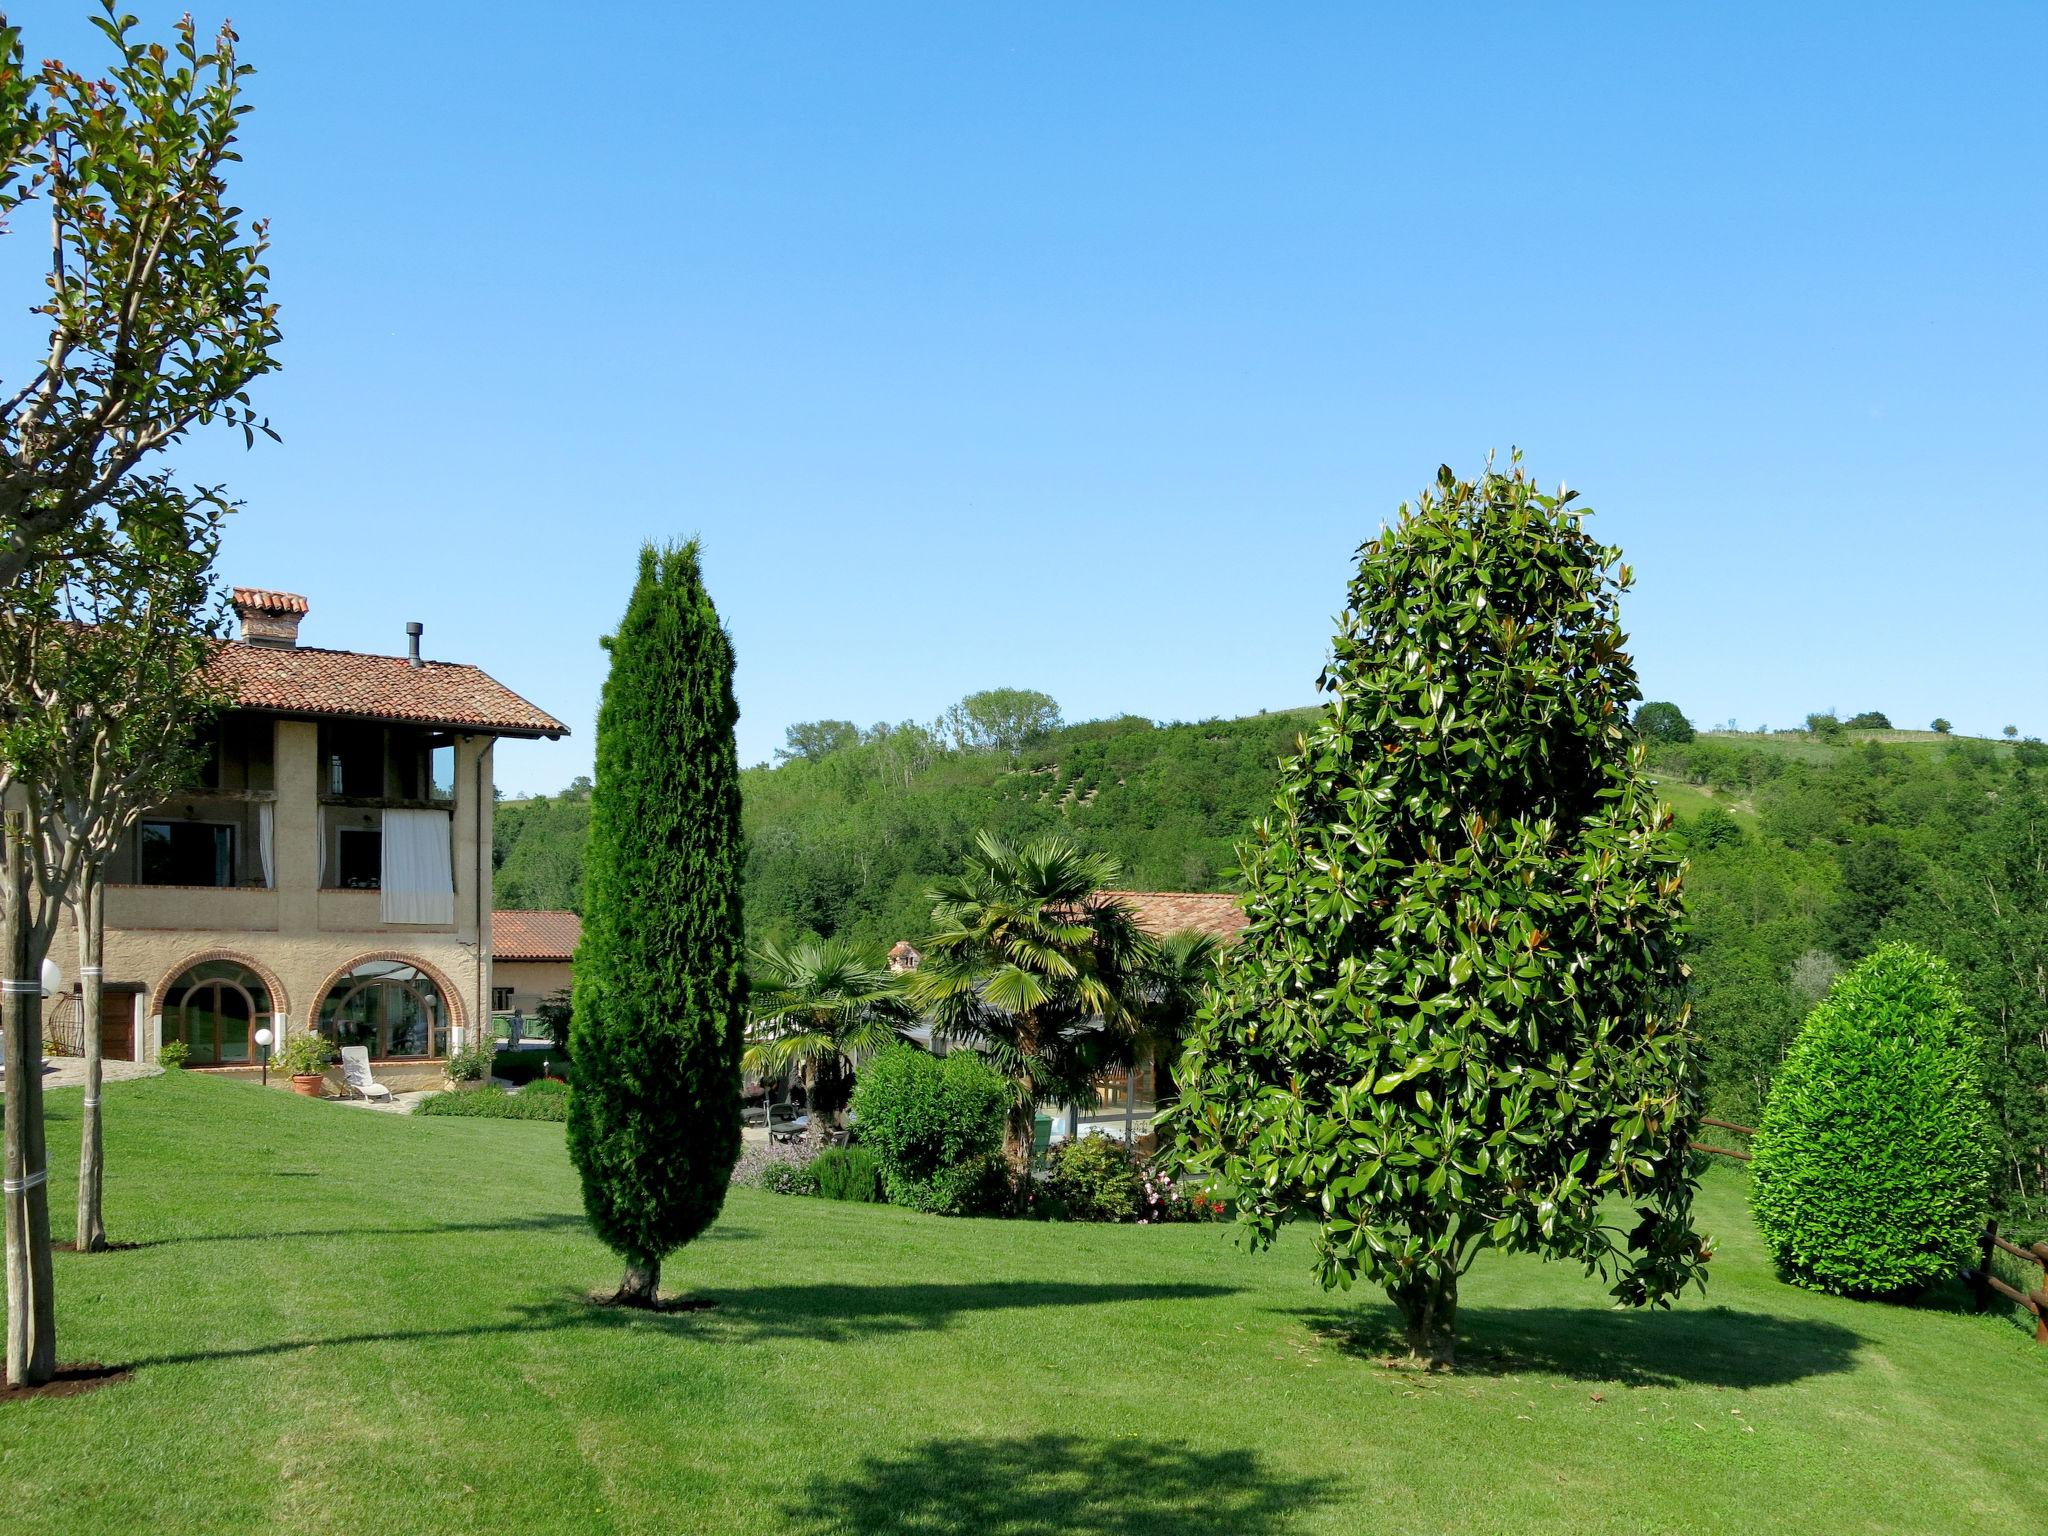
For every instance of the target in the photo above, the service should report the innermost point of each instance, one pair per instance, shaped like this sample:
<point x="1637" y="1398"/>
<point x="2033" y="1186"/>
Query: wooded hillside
<point x="1806" y="850"/>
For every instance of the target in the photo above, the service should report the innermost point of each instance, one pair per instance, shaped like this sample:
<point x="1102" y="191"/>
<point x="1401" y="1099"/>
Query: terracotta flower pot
<point x="308" y="1083"/>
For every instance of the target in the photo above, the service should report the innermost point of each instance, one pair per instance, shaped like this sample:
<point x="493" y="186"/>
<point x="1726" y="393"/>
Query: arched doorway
<point x="389" y="1007"/>
<point x="215" y="1008"/>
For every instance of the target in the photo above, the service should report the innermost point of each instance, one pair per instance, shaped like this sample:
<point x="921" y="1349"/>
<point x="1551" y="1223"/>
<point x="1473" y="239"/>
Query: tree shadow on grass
<point x="831" y="1314"/>
<point x="560" y="1221"/>
<point x="1056" y="1485"/>
<point x="1704" y="1346"/>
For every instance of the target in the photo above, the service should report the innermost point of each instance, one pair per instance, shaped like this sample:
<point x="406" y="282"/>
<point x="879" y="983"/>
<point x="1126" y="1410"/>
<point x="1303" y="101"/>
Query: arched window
<point x="388" y="1007"/>
<point x="215" y="1008"/>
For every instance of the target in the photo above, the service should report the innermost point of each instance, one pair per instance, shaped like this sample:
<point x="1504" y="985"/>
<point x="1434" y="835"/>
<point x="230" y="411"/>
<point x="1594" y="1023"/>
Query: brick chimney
<point x="269" y="618"/>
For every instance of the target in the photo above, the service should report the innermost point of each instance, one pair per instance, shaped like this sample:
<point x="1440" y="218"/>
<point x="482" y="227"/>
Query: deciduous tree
<point x="113" y="692"/>
<point x="156" y="301"/>
<point x="1663" y="722"/>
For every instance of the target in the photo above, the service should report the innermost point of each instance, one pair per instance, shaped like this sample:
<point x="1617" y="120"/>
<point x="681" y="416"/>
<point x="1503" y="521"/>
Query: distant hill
<point x="1803" y="851"/>
<point x="848" y="841"/>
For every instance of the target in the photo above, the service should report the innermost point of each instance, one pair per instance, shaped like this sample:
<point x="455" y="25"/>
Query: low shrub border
<point x="548" y="1100"/>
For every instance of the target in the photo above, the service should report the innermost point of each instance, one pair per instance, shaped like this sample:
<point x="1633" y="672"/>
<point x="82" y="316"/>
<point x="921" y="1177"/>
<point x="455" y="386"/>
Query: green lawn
<point x="344" y="1321"/>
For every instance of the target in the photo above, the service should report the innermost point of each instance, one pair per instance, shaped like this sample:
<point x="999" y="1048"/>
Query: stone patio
<point x="69" y="1071"/>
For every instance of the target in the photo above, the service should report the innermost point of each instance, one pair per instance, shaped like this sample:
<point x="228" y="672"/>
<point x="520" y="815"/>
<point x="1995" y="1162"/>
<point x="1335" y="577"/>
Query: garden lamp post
<point x="263" y="1039"/>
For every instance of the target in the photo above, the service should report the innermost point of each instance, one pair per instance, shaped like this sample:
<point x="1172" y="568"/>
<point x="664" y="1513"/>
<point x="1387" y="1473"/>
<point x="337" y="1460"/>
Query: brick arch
<point x="280" y="1003"/>
<point x="457" y="1016"/>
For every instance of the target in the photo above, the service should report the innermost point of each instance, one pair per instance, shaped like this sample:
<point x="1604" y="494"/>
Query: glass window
<point x="187" y="853"/>
<point x="389" y="1008"/>
<point x="441" y="770"/>
<point x="215" y="1008"/>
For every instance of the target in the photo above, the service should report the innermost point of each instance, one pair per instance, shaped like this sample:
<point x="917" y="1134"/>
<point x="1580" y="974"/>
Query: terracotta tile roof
<point x="535" y="935"/>
<point x="302" y="680"/>
<point x="265" y="601"/>
<point x="1168" y="912"/>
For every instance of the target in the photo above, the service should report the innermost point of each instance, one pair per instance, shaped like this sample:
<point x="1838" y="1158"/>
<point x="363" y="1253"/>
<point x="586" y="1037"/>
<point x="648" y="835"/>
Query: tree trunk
<point x="90" y="917"/>
<point x="1429" y="1319"/>
<point x="641" y="1286"/>
<point x="1020" y="1140"/>
<point x="31" y="1322"/>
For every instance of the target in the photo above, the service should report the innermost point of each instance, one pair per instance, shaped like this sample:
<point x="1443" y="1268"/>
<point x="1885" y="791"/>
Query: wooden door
<point x="117" y="1025"/>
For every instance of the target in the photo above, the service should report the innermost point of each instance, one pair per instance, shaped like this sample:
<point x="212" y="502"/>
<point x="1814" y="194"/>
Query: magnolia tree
<point x="1454" y="1021"/>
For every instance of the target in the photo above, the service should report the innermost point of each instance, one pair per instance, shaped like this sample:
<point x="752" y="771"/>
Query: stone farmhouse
<point x="330" y="871"/>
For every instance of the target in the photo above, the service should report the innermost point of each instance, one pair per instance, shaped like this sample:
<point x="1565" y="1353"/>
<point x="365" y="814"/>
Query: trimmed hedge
<point x="543" y="1101"/>
<point x="933" y="1123"/>
<point x="848" y="1173"/>
<point x="1871" y="1168"/>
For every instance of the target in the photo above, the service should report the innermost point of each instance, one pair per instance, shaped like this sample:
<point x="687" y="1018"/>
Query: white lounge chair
<point x="355" y="1072"/>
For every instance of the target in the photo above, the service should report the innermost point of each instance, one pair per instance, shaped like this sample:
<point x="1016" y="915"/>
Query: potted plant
<point x="305" y="1056"/>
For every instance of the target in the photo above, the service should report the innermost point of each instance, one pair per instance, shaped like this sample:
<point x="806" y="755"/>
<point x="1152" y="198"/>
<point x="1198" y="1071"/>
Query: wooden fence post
<point x="1982" y="1278"/>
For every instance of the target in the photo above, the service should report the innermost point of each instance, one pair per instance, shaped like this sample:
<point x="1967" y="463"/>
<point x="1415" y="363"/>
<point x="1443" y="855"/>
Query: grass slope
<point x="344" y="1321"/>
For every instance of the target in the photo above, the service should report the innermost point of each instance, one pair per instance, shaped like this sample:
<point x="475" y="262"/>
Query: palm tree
<point x="820" y="1009"/>
<point x="1036" y="966"/>
<point x="1183" y="964"/>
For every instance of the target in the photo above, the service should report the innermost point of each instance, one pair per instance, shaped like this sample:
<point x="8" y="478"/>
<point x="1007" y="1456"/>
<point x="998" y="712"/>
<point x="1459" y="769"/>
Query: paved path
<point x="69" y="1071"/>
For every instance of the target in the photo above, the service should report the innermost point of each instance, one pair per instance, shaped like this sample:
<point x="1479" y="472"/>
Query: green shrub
<point x="1096" y="1178"/>
<point x="543" y="1101"/>
<point x="848" y="1173"/>
<point x="984" y="1185"/>
<point x="928" y="1120"/>
<point x="1871" y="1170"/>
<point x="471" y="1064"/>
<point x="173" y="1054"/>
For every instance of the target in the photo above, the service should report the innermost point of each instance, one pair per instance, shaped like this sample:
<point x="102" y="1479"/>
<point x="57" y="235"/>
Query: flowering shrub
<point x="1165" y="1200"/>
<point x="1099" y="1178"/>
<point x="790" y="1179"/>
<point x="762" y="1163"/>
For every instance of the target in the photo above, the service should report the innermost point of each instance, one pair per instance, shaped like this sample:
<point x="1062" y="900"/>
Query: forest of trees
<point x="1807" y="849"/>
<point x="845" y="834"/>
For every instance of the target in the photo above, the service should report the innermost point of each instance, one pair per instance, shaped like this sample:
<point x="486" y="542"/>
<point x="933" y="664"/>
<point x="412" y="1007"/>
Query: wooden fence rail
<point x="1726" y="1125"/>
<point x="1988" y="1283"/>
<point x="1981" y="1278"/>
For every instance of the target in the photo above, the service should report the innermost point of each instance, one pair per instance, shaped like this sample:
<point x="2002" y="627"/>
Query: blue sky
<point x="1078" y="347"/>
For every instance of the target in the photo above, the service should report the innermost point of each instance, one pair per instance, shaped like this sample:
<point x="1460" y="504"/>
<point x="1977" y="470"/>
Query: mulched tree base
<point x="71" y="1380"/>
<point x="71" y="1250"/>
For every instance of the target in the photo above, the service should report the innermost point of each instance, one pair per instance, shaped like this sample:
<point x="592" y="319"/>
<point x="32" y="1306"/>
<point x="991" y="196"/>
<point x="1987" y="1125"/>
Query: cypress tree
<point x="660" y="992"/>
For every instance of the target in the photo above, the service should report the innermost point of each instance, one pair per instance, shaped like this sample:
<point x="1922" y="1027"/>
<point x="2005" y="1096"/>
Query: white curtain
<point x="266" y="834"/>
<point x="419" y="873"/>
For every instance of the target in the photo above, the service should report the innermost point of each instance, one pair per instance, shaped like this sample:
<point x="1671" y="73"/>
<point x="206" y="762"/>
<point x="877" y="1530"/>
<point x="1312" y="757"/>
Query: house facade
<point x="329" y="871"/>
<point x="530" y="957"/>
<point x="1127" y="1099"/>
